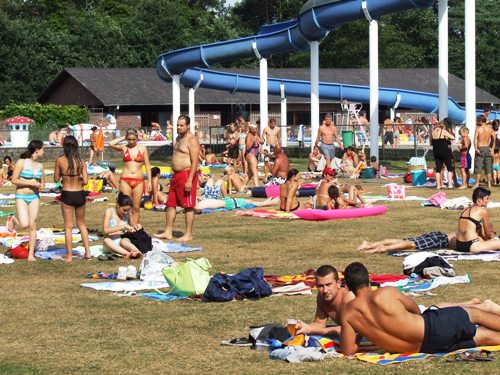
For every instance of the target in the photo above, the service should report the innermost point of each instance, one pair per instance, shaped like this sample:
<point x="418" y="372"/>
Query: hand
<point x="341" y="146"/>
<point x="301" y="327"/>
<point x="188" y="186"/>
<point x="128" y="228"/>
<point x="150" y="189"/>
<point x="137" y="227"/>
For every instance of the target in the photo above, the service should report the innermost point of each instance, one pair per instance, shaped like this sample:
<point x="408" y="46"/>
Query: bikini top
<point x="477" y="223"/>
<point x="112" y="222"/>
<point x="28" y="174"/>
<point x="127" y="157"/>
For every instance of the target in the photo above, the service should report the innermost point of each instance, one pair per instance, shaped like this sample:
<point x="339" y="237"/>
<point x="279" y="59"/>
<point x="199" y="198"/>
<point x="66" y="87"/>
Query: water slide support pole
<point x="264" y="115"/>
<point x="176" y="104"/>
<point x="443" y="59"/>
<point x="284" y="121"/>
<point x="314" y="45"/>
<point x="374" y="84"/>
<point x="470" y="68"/>
<point x="192" y="114"/>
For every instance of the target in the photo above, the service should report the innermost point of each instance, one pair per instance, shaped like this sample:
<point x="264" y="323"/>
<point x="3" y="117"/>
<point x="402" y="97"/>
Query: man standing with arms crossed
<point x="184" y="183"/>
<point x="328" y="134"/>
<point x="484" y="142"/>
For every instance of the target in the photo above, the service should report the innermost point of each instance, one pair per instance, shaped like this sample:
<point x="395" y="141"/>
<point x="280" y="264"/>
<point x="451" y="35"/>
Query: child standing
<point x="465" y="158"/>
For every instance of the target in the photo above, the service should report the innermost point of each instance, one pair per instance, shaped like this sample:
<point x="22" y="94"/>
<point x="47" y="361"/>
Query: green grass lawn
<point x="51" y="325"/>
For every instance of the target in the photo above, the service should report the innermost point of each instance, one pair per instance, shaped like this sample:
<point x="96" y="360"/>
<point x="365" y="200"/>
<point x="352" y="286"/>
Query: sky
<point x="231" y="2"/>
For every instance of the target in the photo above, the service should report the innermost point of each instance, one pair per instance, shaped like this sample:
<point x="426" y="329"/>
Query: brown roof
<point x="142" y="87"/>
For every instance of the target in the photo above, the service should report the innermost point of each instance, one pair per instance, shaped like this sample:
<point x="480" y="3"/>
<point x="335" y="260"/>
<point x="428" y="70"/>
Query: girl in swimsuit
<point x="252" y="147"/>
<point x="288" y="192"/>
<point x="72" y="171"/>
<point x="242" y="138"/>
<point x="337" y="202"/>
<point x="132" y="179"/>
<point x="29" y="178"/>
<point x="475" y="233"/>
<point x="115" y="223"/>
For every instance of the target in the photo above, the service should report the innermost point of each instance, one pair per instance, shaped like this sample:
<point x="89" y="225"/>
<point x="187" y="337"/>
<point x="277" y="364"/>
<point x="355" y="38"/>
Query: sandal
<point x="243" y="341"/>
<point x="479" y="356"/>
<point x="105" y="257"/>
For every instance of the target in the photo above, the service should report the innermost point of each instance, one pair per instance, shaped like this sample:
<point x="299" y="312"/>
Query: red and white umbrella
<point x="18" y="120"/>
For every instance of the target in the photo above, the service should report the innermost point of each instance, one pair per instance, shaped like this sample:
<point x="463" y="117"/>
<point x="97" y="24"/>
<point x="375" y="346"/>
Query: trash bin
<point x="347" y="137"/>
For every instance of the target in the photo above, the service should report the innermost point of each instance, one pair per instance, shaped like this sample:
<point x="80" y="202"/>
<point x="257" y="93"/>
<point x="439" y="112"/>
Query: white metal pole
<point x="443" y="59"/>
<point x="470" y="68"/>
<point x="264" y="115"/>
<point x="284" y="132"/>
<point x="374" y="86"/>
<point x="314" y="91"/>
<point x="176" y="104"/>
<point x="191" y="110"/>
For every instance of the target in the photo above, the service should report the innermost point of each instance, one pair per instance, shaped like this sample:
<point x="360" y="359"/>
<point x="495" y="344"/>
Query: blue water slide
<point x="316" y="19"/>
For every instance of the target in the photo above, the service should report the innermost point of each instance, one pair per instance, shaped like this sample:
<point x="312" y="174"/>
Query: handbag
<point x="395" y="191"/>
<point x="188" y="278"/>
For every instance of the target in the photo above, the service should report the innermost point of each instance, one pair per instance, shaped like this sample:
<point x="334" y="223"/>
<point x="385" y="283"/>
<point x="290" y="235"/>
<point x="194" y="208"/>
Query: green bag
<point x="188" y="278"/>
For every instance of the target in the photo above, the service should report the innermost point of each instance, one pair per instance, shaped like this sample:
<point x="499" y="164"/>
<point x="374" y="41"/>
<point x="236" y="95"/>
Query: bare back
<point x="485" y="135"/>
<point x="383" y="317"/>
<point x="71" y="180"/>
<point x="322" y="197"/>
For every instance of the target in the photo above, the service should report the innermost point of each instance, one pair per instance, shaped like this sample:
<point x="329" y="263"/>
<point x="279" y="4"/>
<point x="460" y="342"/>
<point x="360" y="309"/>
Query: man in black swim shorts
<point x="427" y="241"/>
<point x="375" y="314"/>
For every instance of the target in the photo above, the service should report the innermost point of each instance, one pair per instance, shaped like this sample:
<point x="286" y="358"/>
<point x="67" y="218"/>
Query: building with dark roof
<point x="136" y="96"/>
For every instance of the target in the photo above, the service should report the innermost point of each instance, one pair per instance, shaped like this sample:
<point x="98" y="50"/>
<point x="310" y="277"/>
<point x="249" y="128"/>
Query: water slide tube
<point x="316" y="19"/>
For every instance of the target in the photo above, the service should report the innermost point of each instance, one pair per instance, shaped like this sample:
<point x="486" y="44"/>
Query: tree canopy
<point x="41" y="37"/>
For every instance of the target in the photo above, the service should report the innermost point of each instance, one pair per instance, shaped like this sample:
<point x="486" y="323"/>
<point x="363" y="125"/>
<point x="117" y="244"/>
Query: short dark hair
<point x="479" y="193"/>
<point x="373" y="158"/>
<point x="325" y="270"/>
<point x="185" y="118"/>
<point x="123" y="200"/>
<point x="356" y="276"/>
<point x="155" y="171"/>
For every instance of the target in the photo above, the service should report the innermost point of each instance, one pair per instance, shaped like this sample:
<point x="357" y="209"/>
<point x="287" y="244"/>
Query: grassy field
<point x="51" y="325"/>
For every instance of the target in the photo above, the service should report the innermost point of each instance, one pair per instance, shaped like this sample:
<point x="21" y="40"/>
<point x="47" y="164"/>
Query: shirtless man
<point x="484" y="142"/>
<point x="329" y="303"/>
<point x="271" y="136"/>
<point x="280" y="167"/>
<point x="328" y="134"/>
<point x="380" y="316"/>
<point x="427" y="241"/>
<point x="53" y="137"/>
<point x="184" y="182"/>
<point x="389" y="131"/>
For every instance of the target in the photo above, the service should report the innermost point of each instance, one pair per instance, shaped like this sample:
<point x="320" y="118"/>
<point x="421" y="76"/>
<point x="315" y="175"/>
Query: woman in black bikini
<point x="288" y="192"/>
<point x="72" y="172"/>
<point x="442" y="153"/>
<point x="475" y="234"/>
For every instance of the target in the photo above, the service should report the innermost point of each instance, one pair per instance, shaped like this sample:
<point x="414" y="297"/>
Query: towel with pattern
<point x="270" y="214"/>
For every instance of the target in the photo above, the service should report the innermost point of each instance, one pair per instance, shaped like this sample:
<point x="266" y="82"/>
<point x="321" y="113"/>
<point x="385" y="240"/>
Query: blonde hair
<point x="252" y="125"/>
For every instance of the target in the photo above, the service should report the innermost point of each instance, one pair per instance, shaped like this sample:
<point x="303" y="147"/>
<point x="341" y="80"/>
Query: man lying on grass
<point x="392" y="321"/>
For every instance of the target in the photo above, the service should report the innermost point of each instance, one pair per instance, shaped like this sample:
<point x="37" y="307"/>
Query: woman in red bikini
<point x="132" y="178"/>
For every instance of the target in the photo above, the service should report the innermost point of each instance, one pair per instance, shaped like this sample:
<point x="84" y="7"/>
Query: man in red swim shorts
<point x="184" y="183"/>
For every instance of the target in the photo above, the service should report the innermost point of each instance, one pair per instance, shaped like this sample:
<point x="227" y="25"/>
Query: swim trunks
<point x="430" y="241"/>
<point x="466" y="161"/>
<point x="447" y="330"/>
<point x="177" y="195"/>
<point x="275" y="181"/>
<point x="233" y="203"/>
<point x="496" y="167"/>
<point x="328" y="150"/>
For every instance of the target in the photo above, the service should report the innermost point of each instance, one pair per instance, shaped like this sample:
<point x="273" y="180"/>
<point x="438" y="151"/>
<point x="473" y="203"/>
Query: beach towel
<point x="157" y="296"/>
<point x="487" y="256"/>
<point x="270" y="214"/>
<point x="54" y="254"/>
<point x="418" y="284"/>
<point x="126" y="286"/>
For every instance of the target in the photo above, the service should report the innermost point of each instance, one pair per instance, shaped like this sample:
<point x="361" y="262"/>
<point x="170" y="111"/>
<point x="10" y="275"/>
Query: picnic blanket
<point x="368" y="352"/>
<point x="173" y="247"/>
<point x="377" y="198"/>
<point x="270" y="214"/>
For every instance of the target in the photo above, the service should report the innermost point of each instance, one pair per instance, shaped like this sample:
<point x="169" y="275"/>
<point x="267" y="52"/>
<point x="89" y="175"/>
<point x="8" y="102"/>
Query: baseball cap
<point x="329" y="171"/>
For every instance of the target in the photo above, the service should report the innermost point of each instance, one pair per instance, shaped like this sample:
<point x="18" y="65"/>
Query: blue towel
<point x="160" y="296"/>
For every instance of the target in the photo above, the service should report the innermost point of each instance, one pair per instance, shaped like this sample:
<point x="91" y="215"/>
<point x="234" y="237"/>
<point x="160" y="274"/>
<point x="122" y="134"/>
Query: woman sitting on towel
<point x="29" y="178"/>
<point x="72" y="172"/>
<point x="288" y="192"/>
<point x="117" y="222"/>
<point x="233" y="203"/>
<point x="132" y="179"/>
<point x="475" y="233"/>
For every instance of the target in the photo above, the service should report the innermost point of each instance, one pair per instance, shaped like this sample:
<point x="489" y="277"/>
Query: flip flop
<point x="243" y="341"/>
<point x="479" y="356"/>
<point x="105" y="257"/>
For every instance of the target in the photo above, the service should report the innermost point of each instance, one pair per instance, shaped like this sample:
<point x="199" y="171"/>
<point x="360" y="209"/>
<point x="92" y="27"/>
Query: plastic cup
<point x="291" y="326"/>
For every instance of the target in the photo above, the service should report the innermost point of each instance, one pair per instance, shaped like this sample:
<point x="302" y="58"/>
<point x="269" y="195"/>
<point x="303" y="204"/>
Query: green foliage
<point x="41" y="37"/>
<point x="47" y="115"/>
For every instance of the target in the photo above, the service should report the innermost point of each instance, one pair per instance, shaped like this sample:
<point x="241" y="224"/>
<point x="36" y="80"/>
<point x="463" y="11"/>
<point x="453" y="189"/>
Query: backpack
<point x="248" y="283"/>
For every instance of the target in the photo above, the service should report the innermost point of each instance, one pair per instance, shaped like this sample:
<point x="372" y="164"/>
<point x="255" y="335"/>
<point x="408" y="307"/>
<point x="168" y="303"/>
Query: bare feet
<point x="462" y="187"/>
<point x="377" y="249"/>
<point x="185" y="238"/>
<point x="163" y="236"/>
<point x="475" y="186"/>
<point x="31" y="259"/>
<point x="364" y="246"/>
<point x="10" y="223"/>
<point x="68" y="259"/>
